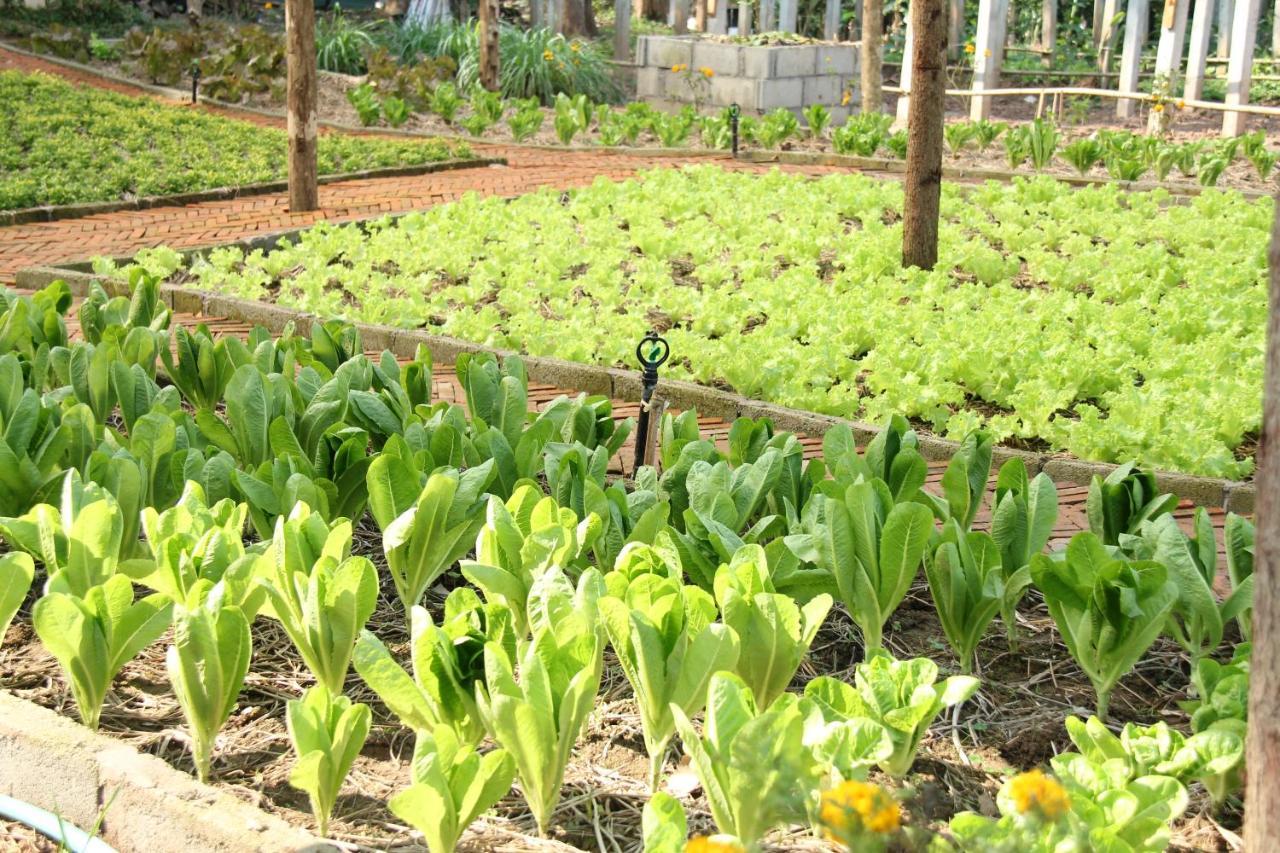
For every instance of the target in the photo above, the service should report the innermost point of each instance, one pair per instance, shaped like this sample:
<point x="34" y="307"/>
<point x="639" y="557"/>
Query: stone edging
<point x="51" y="213"/>
<point x="59" y="765"/>
<point x="1234" y="496"/>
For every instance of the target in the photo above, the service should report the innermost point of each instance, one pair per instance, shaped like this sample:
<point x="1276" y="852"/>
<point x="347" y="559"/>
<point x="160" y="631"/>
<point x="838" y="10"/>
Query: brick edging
<point x="52" y="213"/>
<point x="1235" y="496"/>
<point x="57" y="764"/>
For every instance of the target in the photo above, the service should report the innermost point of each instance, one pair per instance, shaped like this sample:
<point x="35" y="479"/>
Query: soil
<point x="1013" y="723"/>
<point x="19" y="838"/>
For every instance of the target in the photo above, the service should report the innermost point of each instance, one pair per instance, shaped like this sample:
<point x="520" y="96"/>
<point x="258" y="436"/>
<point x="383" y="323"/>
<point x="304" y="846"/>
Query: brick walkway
<point x="124" y="232"/>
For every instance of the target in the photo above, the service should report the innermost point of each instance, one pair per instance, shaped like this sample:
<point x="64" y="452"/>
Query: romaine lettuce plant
<point x="425" y="529"/>
<point x="447" y="661"/>
<point x="95" y="634"/>
<point x="871" y="548"/>
<point x="668" y="644"/>
<point x="774" y="632"/>
<point x="452" y="785"/>
<point x="1122" y="502"/>
<point x="327" y="732"/>
<point x="1023" y="514"/>
<point x="320" y="594"/>
<point x="17" y="572"/>
<point x="902" y="696"/>
<point x="1109" y="611"/>
<point x="535" y="705"/>
<point x="967" y="584"/>
<point x="753" y="763"/>
<point x="207" y="663"/>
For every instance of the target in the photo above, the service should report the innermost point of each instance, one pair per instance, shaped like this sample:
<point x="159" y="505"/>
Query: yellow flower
<point x="707" y="72"/>
<point x="268" y="5"/>
<point x="548" y="55"/>
<point x="1158" y="108"/>
<point x="713" y="844"/>
<point x="1034" y="791"/>
<point x="854" y="806"/>
<point x="676" y="69"/>
<point x="846" y="98"/>
<point x="969" y="48"/>
<point x="575" y="47"/>
<point x="1181" y="104"/>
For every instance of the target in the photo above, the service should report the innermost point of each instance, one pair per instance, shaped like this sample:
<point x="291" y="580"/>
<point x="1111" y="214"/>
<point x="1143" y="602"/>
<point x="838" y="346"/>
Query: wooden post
<point x="1048" y="29"/>
<point x="831" y="21"/>
<point x="1244" y="37"/>
<point x="768" y="15"/>
<point x="1198" y="51"/>
<point x="680" y="16"/>
<point x="1262" y="746"/>
<point x="1173" y="23"/>
<point x="1275" y="29"/>
<point x="622" y="30"/>
<point x="987" y="54"/>
<point x="700" y="15"/>
<point x="908" y="70"/>
<point x="489" y="43"/>
<point x="1137" y="11"/>
<point x="787" y="10"/>
<point x="1226" y="14"/>
<point x="720" y="18"/>
<point x="955" y="31"/>
<point x="1099" y="10"/>
<point x="744" y="19"/>
<point x="920" y="210"/>
<point x="300" y="54"/>
<point x="1106" y="35"/>
<point x="872" y="47"/>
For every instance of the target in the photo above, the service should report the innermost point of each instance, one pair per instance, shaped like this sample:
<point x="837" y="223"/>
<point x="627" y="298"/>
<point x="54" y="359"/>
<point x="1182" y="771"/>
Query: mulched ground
<point x="1013" y="723"/>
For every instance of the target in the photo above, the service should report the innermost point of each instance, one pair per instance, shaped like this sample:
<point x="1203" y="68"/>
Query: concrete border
<point x="59" y="765"/>
<point x="1235" y="496"/>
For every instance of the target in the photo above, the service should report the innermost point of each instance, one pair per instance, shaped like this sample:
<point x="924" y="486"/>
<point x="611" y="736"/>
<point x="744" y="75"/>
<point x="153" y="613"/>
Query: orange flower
<point x="1158" y="107"/>
<point x="1033" y="791"/>
<point x="713" y="844"/>
<point x="969" y="48"/>
<point x="707" y="72"/>
<point x="1181" y="104"/>
<point x="852" y="807"/>
<point x="846" y="98"/>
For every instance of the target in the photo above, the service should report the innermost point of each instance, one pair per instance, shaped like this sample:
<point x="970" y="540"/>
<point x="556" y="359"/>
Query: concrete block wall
<point x="759" y="79"/>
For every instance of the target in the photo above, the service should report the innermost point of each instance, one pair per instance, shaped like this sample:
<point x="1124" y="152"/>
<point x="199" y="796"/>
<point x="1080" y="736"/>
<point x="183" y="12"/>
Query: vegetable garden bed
<point x="53" y="153"/>
<point x="1059" y="318"/>
<point x="235" y="419"/>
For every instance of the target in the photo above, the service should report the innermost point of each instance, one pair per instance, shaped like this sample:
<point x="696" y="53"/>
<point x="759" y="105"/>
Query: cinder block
<point x="771" y="94"/>
<point x="733" y="90"/>
<point x="721" y="58"/>
<point x="798" y="61"/>
<point x="757" y="62"/>
<point x="837" y="59"/>
<point x="823" y="89"/>
<point x="664" y="51"/>
<point x="651" y="82"/>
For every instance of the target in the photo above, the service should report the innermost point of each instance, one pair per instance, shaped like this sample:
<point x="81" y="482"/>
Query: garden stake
<point x="195" y="80"/>
<point x="650" y="358"/>
<point x="734" y="112"/>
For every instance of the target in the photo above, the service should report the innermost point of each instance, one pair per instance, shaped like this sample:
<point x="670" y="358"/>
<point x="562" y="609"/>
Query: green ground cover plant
<point x="52" y="147"/>
<point x="1112" y="325"/>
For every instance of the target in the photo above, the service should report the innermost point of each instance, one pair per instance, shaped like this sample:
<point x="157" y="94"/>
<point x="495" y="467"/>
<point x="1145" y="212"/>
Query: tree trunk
<point x="575" y="18"/>
<point x="426" y="12"/>
<point x="1262" y="749"/>
<point x="622" y="30"/>
<point x="924" y="134"/>
<point x="872" y="64"/>
<point x="489" y="45"/>
<point x="300" y="48"/>
<point x="700" y="15"/>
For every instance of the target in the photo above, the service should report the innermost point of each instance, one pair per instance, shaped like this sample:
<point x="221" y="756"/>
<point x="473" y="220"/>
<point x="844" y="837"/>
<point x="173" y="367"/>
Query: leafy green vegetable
<point x="1109" y="611"/>
<point x="207" y="663"/>
<point x="321" y="595"/>
<point x="753" y="764"/>
<point x="327" y="732"/>
<point x="967" y="584"/>
<point x="17" y="572"/>
<point x="667" y="643"/>
<point x="538" y="716"/>
<point x="1022" y="517"/>
<point x="774" y="632"/>
<point x="452" y="785"/>
<point x="902" y="696"/>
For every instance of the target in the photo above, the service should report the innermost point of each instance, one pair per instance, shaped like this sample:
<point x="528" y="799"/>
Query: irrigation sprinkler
<point x="652" y="351"/>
